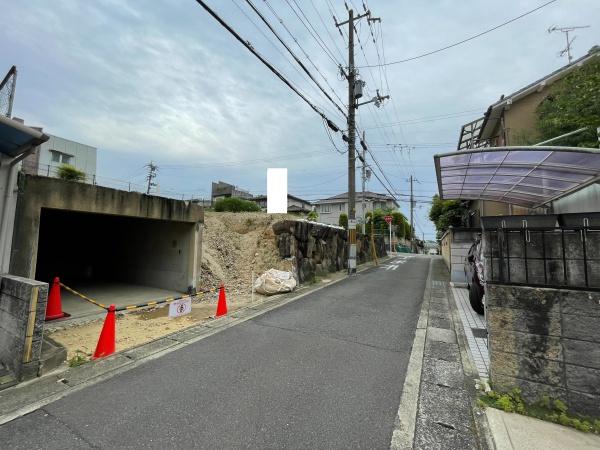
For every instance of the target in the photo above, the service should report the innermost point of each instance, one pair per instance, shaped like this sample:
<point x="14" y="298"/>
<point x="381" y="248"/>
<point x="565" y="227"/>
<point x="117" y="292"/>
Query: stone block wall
<point x="22" y="313"/>
<point x="319" y="249"/>
<point x="546" y="341"/>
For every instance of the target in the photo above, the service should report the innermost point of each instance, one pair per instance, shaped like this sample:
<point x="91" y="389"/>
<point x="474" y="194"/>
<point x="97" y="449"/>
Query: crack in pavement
<point x="322" y="334"/>
<point x="71" y="429"/>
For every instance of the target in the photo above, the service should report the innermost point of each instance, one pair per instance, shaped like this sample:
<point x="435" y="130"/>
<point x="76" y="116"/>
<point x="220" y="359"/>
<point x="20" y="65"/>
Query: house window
<point x="325" y="208"/>
<point x="59" y="157"/>
<point x="340" y="206"/>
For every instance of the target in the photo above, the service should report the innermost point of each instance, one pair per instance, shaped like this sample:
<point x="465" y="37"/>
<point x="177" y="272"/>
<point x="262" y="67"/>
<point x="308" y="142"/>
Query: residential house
<point x="221" y="189"/>
<point x="295" y="205"/>
<point x="50" y="155"/>
<point x="511" y="121"/>
<point x="329" y="209"/>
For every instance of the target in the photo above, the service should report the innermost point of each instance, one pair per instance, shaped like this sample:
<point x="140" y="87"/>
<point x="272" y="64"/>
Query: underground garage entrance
<point x="113" y="246"/>
<point x="114" y="259"/>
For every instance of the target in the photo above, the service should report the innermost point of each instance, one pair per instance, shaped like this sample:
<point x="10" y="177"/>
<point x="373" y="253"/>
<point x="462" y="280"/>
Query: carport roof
<point x="16" y="138"/>
<point x="526" y="176"/>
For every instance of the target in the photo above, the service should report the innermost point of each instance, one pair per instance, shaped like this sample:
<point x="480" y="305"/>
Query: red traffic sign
<point x="388" y="219"/>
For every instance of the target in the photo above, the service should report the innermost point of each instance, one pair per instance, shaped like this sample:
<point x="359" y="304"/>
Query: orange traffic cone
<point x="106" y="342"/>
<point x="54" y="304"/>
<point x="222" y="305"/>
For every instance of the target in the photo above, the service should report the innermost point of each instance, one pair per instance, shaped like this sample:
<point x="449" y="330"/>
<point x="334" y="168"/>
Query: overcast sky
<point x="163" y="81"/>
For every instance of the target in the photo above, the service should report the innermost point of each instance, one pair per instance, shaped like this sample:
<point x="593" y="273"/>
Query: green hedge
<point x="234" y="204"/>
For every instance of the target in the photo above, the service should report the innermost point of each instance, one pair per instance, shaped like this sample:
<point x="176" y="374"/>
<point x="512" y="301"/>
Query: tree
<point x="401" y="223"/>
<point x="343" y="220"/>
<point x="70" y="173"/>
<point x="313" y="216"/>
<point x="234" y="204"/>
<point x="573" y="102"/>
<point x="446" y="213"/>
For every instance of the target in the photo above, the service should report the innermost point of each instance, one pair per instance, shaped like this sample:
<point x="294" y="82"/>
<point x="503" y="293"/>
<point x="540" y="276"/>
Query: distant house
<point x="49" y="156"/>
<point x="329" y="209"/>
<point x="221" y="189"/>
<point x="295" y="205"/>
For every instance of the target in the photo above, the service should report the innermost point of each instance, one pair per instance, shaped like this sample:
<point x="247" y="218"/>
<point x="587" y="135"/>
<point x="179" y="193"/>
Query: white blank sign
<point x="276" y="191"/>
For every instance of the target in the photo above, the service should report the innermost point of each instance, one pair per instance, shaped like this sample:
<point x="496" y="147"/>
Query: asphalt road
<point x="325" y="371"/>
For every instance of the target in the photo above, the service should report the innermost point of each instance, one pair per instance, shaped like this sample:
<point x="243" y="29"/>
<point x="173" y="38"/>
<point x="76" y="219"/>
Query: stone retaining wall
<point x="546" y="341"/>
<point x="22" y="313"/>
<point x="319" y="249"/>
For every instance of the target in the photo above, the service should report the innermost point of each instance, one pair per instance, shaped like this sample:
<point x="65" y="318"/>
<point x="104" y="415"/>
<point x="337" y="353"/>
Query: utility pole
<point x="412" y="207"/>
<point x="566" y="30"/>
<point x="152" y="169"/>
<point x="355" y="88"/>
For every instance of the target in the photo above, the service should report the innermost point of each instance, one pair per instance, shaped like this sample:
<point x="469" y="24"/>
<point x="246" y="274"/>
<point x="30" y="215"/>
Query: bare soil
<point x="233" y="246"/>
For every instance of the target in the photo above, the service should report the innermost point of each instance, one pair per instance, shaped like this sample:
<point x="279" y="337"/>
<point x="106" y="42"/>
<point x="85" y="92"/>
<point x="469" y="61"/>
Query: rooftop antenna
<point x="566" y="30"/>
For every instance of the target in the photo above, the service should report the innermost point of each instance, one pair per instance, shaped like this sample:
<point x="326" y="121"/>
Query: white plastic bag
<point x="274" y="282"/>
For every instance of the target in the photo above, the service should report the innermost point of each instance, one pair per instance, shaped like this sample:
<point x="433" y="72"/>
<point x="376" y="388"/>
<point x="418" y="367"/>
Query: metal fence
<point x="7" y="92"/>
<point x="566" y="257"/>
<point x="34" y="168"/>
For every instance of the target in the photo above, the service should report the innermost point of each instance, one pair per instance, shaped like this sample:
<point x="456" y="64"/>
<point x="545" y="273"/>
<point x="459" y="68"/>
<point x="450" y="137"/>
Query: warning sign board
<point x="388" y="219"/>
<point x="180" y="307"/>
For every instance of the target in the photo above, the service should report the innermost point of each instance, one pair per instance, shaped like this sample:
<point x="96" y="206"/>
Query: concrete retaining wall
<point x="319" y="249"/>
<point x="22" y="312"/>
<point x="546" y="341"/>
<point x="162" y="246"/>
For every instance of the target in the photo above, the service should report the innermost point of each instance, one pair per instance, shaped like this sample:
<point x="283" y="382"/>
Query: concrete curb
<point x="404" y="430"/>
<point x="28" y="397"/>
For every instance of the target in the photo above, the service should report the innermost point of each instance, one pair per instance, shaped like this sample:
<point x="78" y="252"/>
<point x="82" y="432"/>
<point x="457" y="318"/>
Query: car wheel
<point x="476" y="298"/>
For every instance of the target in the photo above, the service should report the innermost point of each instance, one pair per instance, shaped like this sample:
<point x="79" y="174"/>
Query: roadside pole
<point x="389" y="219"/>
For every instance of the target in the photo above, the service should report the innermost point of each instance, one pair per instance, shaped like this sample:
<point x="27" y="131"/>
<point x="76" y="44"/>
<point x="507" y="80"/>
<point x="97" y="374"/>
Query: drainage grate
<point x="479" y="332"/>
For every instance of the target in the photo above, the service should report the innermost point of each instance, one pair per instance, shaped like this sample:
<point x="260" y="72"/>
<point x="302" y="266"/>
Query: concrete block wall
<point x="319" y="249"/>
<point x="546" y="341"/>
<point x="22" y="313"/>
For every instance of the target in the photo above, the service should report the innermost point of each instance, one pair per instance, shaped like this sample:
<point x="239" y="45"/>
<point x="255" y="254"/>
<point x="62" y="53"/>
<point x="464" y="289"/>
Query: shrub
<point x="234" y="204"/>
<point x="313" y="216"/>
<point x="343" y="221"/>
<point x="70" y="173"/>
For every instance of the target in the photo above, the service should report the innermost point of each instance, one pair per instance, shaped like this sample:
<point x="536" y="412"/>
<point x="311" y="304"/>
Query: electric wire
<point x="290" y="62"/>
<point x="308" y="58"/>
<point x="300" y="63"/>
<point x="318" y="39"/>
<point x="250" y="48"/>
<point x="475" y="36"/>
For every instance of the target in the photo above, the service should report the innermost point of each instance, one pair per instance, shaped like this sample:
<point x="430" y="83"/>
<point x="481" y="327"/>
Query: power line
<point x="317" y="38"/>
<point x="425" y="119"/>
<point x="327" y="30"/>
<point x="300" y="63"/>
<point x="467" y="39"/>
<point x="250" y="48"/>
<point x="308" y="58"/>
<point x="281" y="53"/>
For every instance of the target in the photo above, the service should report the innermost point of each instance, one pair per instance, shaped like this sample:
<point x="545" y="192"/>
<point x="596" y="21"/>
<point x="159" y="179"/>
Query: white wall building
<point x="329" y="209"/>
<point x="48" y="157"/>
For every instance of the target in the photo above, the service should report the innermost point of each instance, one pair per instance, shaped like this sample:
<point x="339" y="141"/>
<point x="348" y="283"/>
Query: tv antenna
<point x="566" y="30"/>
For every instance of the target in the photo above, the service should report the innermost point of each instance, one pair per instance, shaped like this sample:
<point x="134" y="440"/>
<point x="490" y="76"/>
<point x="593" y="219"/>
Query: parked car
<point x="473" y="269"/>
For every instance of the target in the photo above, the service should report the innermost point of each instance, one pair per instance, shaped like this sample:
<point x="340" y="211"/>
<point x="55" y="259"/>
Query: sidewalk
<point x="517" y="432"/>
<point x="438" y="407"/>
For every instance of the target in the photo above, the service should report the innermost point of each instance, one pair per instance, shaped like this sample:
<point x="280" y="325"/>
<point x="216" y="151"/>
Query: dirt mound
<point x="235" y="244"/>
